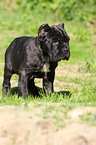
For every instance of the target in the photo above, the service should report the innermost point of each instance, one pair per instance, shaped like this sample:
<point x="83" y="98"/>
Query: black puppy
<point x="36" y="57"/>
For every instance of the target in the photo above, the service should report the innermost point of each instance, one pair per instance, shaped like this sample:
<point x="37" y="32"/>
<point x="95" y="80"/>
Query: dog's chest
<point x="45" y="68"/>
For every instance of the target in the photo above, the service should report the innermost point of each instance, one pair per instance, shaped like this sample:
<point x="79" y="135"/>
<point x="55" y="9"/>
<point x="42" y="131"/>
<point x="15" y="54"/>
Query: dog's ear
<point x="61" y="25"/>
<point x="43" y="28"/>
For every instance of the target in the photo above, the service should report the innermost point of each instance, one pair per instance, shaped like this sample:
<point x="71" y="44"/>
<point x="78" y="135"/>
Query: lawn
<point x="76" y="76"/>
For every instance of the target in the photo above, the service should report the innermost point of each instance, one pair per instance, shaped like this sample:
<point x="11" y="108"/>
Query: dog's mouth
<point x="67" y="56"/>
<point x="63" y="58"/>
<point x="57" y="58"/>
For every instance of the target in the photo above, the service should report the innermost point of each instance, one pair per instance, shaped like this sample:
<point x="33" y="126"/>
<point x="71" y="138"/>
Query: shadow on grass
<point x="64" y="93"/>
<point x="14" y="91"/>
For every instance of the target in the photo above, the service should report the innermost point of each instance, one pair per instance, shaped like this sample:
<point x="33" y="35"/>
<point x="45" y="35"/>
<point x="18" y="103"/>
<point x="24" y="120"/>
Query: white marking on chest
<point x="45" y="68"/>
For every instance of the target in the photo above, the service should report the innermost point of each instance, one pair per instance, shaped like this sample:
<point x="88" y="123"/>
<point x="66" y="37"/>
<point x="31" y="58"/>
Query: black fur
<point x="26" y="56"/>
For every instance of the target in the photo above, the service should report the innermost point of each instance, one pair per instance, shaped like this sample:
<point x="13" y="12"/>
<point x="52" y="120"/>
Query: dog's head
<point x="55" y="42"/>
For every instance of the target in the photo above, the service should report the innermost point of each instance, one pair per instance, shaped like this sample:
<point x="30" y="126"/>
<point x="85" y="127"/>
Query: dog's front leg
<point x="22" y="84"/>
<point x="48" y="81"/>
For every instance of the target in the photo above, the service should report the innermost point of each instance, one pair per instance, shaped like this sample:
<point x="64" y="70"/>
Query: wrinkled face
<point x="56" y="42"/>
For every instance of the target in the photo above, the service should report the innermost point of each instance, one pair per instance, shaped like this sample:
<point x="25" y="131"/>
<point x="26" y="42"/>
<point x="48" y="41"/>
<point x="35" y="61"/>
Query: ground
<point x="43" y="123"/>
<point x="19" y="127"/>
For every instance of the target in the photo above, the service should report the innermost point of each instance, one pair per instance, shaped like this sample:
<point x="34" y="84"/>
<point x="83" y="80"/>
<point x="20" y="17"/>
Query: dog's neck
<point x="45" y="68"/>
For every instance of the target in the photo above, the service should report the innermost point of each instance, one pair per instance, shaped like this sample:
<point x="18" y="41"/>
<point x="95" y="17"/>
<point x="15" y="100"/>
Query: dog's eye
<point x="56" y="42"/>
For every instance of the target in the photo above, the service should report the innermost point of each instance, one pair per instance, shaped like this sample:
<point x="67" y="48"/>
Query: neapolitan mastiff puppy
<point x="36" y="57"/>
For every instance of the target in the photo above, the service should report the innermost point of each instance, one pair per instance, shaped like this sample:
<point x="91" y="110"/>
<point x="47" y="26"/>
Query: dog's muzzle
<point x="67" y="56"/>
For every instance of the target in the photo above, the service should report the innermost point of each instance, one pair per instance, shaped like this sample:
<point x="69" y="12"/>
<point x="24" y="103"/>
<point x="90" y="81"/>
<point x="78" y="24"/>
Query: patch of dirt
<point x="70" y="70"/>
<point x="19" y="127"/>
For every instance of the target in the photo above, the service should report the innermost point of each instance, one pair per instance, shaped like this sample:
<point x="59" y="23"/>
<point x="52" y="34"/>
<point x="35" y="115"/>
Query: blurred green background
<point x="27" y="15"/>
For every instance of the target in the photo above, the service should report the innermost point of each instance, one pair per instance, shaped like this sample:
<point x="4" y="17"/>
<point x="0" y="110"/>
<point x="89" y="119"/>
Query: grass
<point x="75" y="82"/>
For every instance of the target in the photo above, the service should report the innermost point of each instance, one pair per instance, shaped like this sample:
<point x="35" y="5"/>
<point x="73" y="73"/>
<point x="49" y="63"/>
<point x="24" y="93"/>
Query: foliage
<point x="83" y="10"/>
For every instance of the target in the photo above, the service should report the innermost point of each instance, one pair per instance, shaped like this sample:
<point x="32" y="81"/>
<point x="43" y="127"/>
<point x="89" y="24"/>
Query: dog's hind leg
<point x="7" y="76"/>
